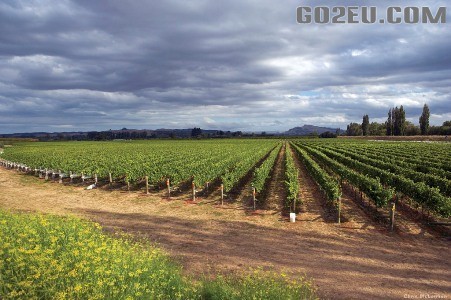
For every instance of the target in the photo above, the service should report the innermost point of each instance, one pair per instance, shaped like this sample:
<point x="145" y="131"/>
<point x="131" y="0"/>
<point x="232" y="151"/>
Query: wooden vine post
<point x="194" y="190"/>
<point x="95" y="179"/>
<point x="222" y="194"/>
<point x="147" y="185"/>
<point x="339" y="210"/>
<point x="208" y="183"/>
<point x="128" y="183"/>
<point x="253" y="197"/>
<point x="110" y="177"/>
<point x="392" y="214"/>
<point x="169" y="187"/>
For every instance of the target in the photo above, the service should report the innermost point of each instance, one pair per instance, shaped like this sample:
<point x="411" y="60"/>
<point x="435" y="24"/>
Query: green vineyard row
<point x="293" y="200"/>
<point x="418" y="191"/>
<point x="370" y="186"/>
<point x="327" y="183"/>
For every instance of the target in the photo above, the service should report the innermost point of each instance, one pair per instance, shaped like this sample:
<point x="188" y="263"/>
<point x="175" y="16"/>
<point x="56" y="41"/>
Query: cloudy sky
<point x="234" y="65"/>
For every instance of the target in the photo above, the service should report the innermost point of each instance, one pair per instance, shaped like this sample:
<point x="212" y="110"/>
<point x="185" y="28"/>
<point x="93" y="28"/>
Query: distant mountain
<point x="310" y="129"/>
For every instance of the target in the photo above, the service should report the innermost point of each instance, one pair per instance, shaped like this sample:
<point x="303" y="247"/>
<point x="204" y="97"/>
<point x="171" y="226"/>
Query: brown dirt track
<point x="354" y="261"/>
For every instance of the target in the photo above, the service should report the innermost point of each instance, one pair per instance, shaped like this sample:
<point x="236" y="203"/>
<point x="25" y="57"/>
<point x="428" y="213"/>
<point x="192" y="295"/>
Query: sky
<point x="231" y="65"/>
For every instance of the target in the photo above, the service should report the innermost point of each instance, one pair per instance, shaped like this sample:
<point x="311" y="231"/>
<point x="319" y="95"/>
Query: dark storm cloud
<point x="231" y="64"/>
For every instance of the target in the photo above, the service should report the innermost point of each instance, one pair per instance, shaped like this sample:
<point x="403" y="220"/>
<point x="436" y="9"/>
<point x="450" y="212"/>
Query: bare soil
<point x="362" y="261"/>
<point x="276" y="189"/>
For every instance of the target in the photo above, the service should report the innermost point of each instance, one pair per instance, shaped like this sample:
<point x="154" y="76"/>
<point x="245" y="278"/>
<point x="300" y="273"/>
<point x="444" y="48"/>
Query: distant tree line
<point x="129" y="134"/>
<point x="397" y="125"/>
<point x="120" y="135"/>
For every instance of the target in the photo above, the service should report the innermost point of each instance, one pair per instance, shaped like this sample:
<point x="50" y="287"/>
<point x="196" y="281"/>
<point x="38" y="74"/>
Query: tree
<point x="365" y="125"/>
<point x="195" y="132"/>
<point x="411" y="129"/>
<point x="424" y="120"/>
<point x="327" y="134"/>
<point x="354" y="129"/>
<point x="399" y="121"/>
<point x="377" y="129"/>
<point x="446" y="128"/>
<point x="389" y="123"/>
<point x="396" y="118"/>
<point x="402" y="121"/>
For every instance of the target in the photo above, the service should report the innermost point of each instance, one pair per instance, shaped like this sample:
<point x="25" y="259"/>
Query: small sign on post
<point x="194" y="190"/>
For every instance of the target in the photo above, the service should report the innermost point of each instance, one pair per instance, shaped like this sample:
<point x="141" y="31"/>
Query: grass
<point x="257" y="284"/>
<point x="52" y="257"/>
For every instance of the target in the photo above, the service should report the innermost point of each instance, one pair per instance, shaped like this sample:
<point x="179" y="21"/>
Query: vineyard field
<point x="380" y="170"/>
<point x="178" y="161"/>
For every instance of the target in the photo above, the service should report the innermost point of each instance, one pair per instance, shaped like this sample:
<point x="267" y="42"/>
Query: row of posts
<point x="61" y="176"/>
<point x="392" y="207"/>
